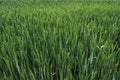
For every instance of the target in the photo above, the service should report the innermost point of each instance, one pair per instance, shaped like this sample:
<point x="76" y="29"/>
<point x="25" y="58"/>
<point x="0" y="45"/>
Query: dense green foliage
<point x="65" y="40"/>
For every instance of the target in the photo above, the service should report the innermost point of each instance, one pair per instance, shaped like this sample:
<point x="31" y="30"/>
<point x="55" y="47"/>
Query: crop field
<point x="59" y="40"/>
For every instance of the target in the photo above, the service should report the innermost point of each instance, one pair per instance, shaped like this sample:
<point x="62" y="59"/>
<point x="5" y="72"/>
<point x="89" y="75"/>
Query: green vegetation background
<point x="59" y="40"/>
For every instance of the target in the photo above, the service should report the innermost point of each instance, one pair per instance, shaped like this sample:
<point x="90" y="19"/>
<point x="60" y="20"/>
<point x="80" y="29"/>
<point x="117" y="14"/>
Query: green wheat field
<point x="59" y="39"/>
